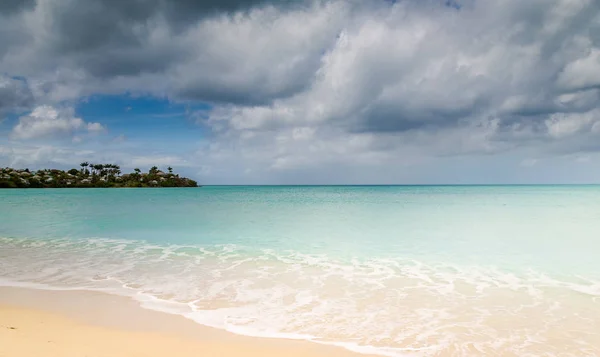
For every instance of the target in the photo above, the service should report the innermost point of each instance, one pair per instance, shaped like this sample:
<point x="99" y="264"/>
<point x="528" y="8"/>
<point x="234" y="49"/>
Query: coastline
<point x="74" y="323"/>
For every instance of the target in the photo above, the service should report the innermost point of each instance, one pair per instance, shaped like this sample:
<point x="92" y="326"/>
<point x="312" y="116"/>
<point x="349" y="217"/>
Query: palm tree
<point x="83" y="165"/>
<point x="107" y="170"/>
<point x="114" y="170"/>
<point x="153" y="170"/>
<point x="97" y="169"/>
<point x="111" y="170"/>
<point x="170" y="169"/>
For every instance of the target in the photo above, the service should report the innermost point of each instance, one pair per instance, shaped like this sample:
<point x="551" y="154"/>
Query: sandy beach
<point x="81" y="323"/>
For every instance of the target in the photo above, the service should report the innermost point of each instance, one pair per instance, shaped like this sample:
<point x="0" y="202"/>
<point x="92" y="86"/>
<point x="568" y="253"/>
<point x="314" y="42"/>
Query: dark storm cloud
<point x="83" y="25"/>
<point x="401" y="117"/>
<point x="91" y="25"/>
<point x="79" y="26"/>
<point x="10" y="6"/>
<point x="15" y="95"/>
<point x="109" y="38"/>
<point x="178" y="39"/>
<point x="218" y="93"/>
<point x="182" y="12"/>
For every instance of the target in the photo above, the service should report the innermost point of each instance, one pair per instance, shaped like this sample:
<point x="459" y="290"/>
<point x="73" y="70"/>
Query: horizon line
<point x="415" y="184"/>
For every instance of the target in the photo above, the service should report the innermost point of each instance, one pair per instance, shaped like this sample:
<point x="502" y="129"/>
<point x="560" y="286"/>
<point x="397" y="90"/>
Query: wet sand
<point x="81" y="323"/>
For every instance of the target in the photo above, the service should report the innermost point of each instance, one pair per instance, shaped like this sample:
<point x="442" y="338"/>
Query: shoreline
<point x="81" y="322"/>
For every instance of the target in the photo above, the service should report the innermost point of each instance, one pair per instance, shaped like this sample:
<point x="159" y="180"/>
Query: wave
<point x="391" y="307"/>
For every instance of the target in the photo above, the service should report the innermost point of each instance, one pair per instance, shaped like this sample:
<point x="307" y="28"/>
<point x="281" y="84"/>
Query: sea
<point x="387" y="270"/>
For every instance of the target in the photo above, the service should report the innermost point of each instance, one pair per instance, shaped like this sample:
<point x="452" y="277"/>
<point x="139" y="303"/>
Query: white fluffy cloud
<point x="562" y="125"/>
<point x="95" y="128"/>
<point x="47" y="121"/>
<point x="40" y="155"/>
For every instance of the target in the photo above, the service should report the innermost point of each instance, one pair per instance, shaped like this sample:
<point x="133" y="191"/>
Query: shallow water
<point x="400" y="270"/>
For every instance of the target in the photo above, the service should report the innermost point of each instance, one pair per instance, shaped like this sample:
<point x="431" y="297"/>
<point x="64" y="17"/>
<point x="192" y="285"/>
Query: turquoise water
<point x="395" y="270"/>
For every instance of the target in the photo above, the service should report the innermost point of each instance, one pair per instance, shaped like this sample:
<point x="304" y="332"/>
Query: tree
<point x="112" y="170"/>
<point x="84" y="170"/>
<point x="108" y="171"/>
<point x="103" y="175"/>
<point x="98" y="168"/>
<point x="170" y="169"/>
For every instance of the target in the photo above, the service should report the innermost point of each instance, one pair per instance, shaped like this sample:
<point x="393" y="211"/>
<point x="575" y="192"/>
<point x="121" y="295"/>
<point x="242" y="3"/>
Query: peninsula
<point x="91" y="175"/>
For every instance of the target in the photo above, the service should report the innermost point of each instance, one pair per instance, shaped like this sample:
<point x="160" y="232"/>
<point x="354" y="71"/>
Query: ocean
<point x="390" y="270"/>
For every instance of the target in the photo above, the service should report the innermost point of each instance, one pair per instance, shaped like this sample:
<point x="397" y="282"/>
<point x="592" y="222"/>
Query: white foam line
<point x="36" y="286"/>
<point x="153" y="303"/>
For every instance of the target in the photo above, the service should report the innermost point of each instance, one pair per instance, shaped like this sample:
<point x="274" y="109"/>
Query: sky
<point x="306" y="91"/>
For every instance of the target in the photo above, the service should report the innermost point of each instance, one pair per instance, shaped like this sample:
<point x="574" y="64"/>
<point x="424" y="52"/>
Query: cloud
<point x="95" y="128"/>
<point x="269" y="50"/>
<point x="46" y="122"/>
<point x="414" y="79"/>
<point x="155" y="160"/>
<point x="413" y="68"/>
<point x="119" y="139"/>
<point x="529" y="162"/>
<point x="41" y="155"/>
<point x="33" y="155"/>
<point x="12" y="6"/>
<point x="325" y="85"/>
<point x="15" y="95"/>
<point x="561" y="125"/>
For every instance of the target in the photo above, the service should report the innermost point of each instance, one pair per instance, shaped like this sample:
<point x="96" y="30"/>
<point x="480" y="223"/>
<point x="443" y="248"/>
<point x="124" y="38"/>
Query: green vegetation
<point x="91" y="175"/>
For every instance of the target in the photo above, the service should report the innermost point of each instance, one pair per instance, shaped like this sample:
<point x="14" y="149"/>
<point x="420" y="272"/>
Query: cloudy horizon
<point x="306" y="91"/>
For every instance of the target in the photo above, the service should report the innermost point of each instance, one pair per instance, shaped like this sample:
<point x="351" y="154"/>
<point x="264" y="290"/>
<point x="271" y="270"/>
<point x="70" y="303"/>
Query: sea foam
<point x="385" y="306"/>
